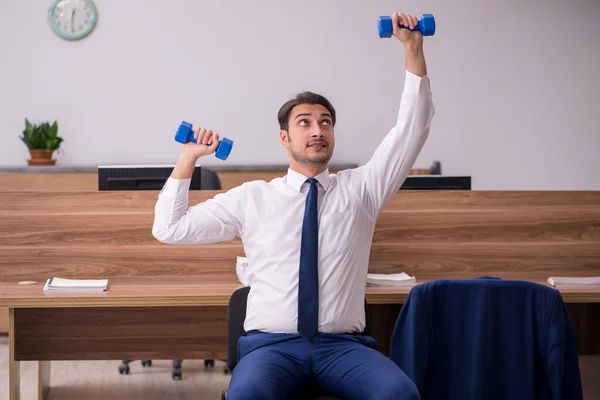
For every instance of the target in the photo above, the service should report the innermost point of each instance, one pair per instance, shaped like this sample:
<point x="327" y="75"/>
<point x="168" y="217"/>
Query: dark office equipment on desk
<point x="436" y="182"/>
<point x="140" y="177"/>
<point x="153" y="177"/>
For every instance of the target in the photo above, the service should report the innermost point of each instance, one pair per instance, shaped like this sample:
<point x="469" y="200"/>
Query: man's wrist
<point x="415" y="59"/>
<point x="414" y="50"/>
<point x="187" y="160"/>
<point x="184" y="168"/>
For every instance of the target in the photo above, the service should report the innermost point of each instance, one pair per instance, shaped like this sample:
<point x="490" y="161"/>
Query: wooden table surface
<point x="184" y="291"/>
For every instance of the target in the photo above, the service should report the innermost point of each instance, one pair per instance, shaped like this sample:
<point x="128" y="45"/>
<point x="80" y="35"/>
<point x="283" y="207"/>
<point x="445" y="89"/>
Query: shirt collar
<point x="296" y="179"/>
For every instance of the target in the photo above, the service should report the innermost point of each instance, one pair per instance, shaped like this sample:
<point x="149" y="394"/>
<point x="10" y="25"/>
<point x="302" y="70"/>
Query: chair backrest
<point x="209" y="180"/>
<point x="501" y="339"/>
<point x="235" y="323"/>
<point x="237" y="316"/>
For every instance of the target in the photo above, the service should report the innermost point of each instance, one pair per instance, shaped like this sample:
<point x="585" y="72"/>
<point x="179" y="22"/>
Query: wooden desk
<point x="137" y="318"/>
<point x="86" y="178"/>
<point x="146" y="318"/>
<point x="182" y="291"/>
<point x="185" y="292"/>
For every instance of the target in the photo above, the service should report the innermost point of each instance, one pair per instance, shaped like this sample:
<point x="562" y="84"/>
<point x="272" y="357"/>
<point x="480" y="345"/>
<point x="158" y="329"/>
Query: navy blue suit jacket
<point x="487" y="338"/>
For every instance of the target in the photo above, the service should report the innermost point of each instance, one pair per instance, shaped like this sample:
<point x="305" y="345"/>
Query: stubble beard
<point x="318" y="159"/>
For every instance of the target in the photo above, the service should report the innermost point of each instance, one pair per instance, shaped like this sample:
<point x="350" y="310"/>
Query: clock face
<point x="72" y="19"/>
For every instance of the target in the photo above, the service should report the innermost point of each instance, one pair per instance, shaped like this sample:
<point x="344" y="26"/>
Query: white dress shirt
<point x="268" y="216"/>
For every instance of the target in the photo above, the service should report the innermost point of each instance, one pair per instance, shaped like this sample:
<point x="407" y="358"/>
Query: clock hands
<point x="73" y="14"/>
<point x="71" y="18"/>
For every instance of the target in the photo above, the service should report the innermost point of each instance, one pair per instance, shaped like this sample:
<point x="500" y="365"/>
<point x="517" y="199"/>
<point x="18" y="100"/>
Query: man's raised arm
<point x="215" y="220"/>
<point x="379" y="179"/>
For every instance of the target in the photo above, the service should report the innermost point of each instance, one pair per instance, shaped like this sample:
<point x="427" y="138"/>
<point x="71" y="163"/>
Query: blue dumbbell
<point x="185" y="133"/>
<point x="425" y="25"/>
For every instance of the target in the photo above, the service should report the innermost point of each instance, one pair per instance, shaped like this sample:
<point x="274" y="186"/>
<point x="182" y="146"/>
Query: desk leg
<point x="43" y="379"/>
<point x="14" y="379"/>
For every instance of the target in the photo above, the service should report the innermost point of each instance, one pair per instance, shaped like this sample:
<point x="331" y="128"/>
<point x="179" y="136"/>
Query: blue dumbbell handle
<point x="425" y="25"/>
<point x="418" y="27"/>
<point x="190" y="137"/>
<point x="223" y="149"/>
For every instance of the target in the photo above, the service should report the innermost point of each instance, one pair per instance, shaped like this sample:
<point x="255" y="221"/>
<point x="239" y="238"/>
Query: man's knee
<point x="265" y="374"/>
<point x="400" y="389"/>
<point x="250" y="389"/>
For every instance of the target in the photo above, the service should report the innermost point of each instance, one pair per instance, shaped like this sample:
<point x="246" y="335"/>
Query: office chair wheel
<point x="124" y="369"/>
<point x="146" y="363"/>
<point x="209" y="363"/>
<point x="176" y="375"/>
<point x="224" y="395"/>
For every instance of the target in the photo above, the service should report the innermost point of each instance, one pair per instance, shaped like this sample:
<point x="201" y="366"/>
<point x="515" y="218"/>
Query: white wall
<point x="516" y="83"/>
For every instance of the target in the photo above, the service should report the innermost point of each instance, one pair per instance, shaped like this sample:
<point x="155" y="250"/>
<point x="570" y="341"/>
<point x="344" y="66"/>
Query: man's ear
<point x="284" y="138"/>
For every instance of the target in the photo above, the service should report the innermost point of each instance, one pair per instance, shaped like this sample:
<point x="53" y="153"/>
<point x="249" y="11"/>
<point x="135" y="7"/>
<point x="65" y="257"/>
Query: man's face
<point x="310" y="134"/>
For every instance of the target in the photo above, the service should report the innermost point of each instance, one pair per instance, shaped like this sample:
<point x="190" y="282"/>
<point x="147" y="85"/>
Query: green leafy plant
<point x="41" y="137"/>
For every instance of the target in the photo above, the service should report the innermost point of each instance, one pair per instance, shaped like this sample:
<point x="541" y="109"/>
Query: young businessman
<point x="307" y="237"/>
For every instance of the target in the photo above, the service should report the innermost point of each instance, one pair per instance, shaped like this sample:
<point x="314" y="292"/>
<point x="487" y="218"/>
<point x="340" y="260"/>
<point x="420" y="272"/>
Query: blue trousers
<point x="279" y="366"/>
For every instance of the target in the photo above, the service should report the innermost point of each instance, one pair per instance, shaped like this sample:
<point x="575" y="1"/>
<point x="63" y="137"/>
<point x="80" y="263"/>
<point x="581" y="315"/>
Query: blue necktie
<point x="308" y="284"/>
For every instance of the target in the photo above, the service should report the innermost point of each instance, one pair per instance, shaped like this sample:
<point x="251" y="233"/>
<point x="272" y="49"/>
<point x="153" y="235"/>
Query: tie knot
<point x="312" y="181"/>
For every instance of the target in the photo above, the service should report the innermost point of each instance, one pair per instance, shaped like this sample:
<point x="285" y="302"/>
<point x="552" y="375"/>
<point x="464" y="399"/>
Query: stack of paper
<point x="240" y="268"/>
<point x="573" y="281"/>
<point x="401" y="279"/>
<point x="75" y="285"/>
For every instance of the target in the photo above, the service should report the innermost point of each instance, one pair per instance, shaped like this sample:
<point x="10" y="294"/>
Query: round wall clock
<point x="72" y="19"/>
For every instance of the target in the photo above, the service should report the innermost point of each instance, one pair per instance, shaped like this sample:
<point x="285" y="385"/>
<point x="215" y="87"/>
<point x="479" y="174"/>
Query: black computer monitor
<point x="436" y="182"/>
<point x="139" y="177"/>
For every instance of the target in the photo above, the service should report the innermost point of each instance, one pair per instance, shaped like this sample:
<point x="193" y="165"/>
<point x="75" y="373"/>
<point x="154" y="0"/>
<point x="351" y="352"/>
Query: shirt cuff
<point x="415" y="84"/>
<point x="176" y="188"/>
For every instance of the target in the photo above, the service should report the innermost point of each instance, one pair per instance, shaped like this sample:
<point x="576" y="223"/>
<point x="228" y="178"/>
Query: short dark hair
<point x="302" y="98"/>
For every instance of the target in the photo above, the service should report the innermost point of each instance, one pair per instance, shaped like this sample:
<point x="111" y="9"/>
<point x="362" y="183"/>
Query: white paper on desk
<point x="55" y="284"/>
<point x="240" y="269"/>
<point x="401" y="279"/>
<point x="573" y="280"/>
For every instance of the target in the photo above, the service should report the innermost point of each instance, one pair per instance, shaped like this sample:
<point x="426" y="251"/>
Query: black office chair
<point x="209" y="180"/>
<point x="235" y="330"/>
<point x="436" y="168"/>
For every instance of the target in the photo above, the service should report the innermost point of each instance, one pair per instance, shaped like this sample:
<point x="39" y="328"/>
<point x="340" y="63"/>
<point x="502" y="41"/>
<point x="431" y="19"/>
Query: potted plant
<point x="41" y="140"/>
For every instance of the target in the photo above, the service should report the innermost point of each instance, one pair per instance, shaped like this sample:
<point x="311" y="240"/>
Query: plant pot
<point x="41" y="157"/>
